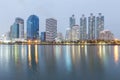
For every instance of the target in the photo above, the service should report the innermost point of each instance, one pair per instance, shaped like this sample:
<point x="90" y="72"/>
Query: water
<point x="58" y="62"/>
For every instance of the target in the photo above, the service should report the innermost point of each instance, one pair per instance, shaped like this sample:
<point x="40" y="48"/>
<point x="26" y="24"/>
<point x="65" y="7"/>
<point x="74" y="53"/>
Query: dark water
<point x="47" y="62"/>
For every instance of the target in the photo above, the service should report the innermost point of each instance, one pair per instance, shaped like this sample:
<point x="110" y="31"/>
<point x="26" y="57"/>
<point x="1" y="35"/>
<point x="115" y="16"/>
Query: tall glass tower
<point x="20" y="22"/>
<point x="17" y="29"/>
<point x="99" y="24"/>
<point x="33" y="27"/>
<point x="72" y="21"/>
<point x="83" y="28"/>
<point x="91" y="27"/>
<point x="14" y="31"/>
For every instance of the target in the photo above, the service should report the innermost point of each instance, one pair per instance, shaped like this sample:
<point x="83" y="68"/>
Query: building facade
<point x="83" y="28"/>
<point x="106" y="35"/>
<point x="99" y="24"/>
<point x="72" y="21"/>
<point x="91" y="27"/>
<point x="75" y="33"/>
<point x="51" y="29"/>
<point x="43" y="36"/>
<point x="17" y="29"/>
<point x="33" y="27"/>
<point x="68" y="34"/>
<point x="14" y="31"/>
<point x="20" y="23"/>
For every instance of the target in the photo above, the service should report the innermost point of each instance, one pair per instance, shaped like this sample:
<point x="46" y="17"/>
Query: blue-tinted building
<point x="43" y="36"/>
<point x="83" y="28"/>
<point x="20" y="22"/>
<point x="15" y="31"/>
<point x="33" y="27"/>
<point x="91" y="27"/>
<point x="72" y="21"/>
<point x="99" y="24"/>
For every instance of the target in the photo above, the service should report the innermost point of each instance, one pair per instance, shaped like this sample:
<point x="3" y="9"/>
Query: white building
<point x="51" y="29"/>
<point x="106" y="35"/>
<point x="68" y="34"/>
<point x="75" y="33"/>
<point x="59" y="37"/>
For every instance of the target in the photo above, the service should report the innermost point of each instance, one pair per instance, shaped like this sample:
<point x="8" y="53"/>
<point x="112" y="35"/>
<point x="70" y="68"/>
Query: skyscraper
<point x="51" y="29"/>
<point x="83" y="28"/>
<point x="20" y="23"/>
<point x="75" y="33"/>
<point x="91" y="27"/>
<point x="72" y="21"/>
<point x="99" y="24"/>
<point x="43" y="36"/>
<point x="68" y="34"/>
<point x="33" y="27"/>
<point x="14" y="31"/>
<point x="17" y="29"/>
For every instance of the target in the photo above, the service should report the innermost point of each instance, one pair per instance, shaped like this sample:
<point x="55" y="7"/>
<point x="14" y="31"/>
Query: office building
<point x="106" y="35"/>
<point x="33" y="27"/>
<point x="51" y="29"/>
<point x="68" y="34"/>
<point x="99" y="24"/>
<point x="75" y="33"/>
<point x="20" y="23"/>
<point x="91" y="27"/>
<point x="72" y="21"/>
<point x="83" y="28"/>
<point x="43" y="36"/>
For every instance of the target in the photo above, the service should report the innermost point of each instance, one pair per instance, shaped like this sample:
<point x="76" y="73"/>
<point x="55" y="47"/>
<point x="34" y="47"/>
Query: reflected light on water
<point x="100" y="51"/>
<point x="68" y="58"/>
<point x="85" y="50"/>
<point x="29" y="55"/>
<point x="36" y="54"/>
<point x="116" y="54"/>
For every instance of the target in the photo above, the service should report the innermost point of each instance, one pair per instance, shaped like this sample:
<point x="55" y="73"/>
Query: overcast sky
<point x="60" y="10"/>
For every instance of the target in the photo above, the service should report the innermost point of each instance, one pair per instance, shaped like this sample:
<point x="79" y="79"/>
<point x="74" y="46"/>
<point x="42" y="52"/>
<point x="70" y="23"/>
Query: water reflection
<point x="116" y="54"/>
<point x="58" y="62"/>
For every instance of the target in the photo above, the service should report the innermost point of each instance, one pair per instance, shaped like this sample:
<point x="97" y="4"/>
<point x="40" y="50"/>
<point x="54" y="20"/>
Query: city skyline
<point x="61" y="13"/>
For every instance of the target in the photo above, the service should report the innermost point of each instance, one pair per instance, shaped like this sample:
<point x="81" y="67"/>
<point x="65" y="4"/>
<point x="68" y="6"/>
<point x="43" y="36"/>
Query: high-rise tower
<point x="83" y="28"/>
<point x="33" y="27"/>
<point x="99" y="24"/>
<point x="51" y="29"/>
<point x="91" y="27"/>
<point x="72" y="21"/>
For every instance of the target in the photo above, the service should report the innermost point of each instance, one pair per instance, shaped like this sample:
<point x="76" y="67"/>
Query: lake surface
<point x="59" y="62"/>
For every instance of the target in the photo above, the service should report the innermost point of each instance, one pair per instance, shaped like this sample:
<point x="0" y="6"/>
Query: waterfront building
<point x="75" y="33"/>
<point x="68" y="34"/>
<point x="43" y="36"/>
<point x="91" y="27"/>
<point x="33" y="27"/>
<point x="59" y="37"/>
<point x="17" y="29"/>
<point x="20" y="23"/>
<point x="99" y="24"/>
<point x="72" y="21"/>
<point x="83" y="28"/>
<point x="14" y="31"/>
<point x="51" y="29"/>
<point x="106" y="35"/>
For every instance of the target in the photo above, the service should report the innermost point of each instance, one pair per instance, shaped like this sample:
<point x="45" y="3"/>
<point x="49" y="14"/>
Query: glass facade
<point x="15" y="31"/>
<point x="99" y="24"/>
<point x="83" y="28"/>
<point x="91" y="27"/>
<point x="33" y="27"/>
<point x="43" y="36"/>
<point x="72" y="21"/>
